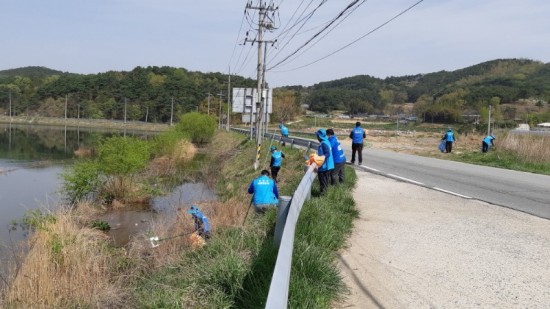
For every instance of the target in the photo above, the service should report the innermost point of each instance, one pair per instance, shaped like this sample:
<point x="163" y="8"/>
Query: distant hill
<point x="445" y="94"/>
<point x="31" y="72"/>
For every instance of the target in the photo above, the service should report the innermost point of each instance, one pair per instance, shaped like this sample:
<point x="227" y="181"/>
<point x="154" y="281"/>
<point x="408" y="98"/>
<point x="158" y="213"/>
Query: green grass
<point x="234" y="269"/>
<point x="503" y="159"/>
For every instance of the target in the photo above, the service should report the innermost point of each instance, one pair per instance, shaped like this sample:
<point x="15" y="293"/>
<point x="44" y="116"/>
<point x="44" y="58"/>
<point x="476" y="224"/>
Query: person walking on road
<point x="265" y="193"/>
<point x="449" y="139"/>
<point x="487" y="142"/>
<point x="276" y="162"/>
<point x="357" y="135"/>
<point x="337" y="175"/>
<point x="324" y="171"/>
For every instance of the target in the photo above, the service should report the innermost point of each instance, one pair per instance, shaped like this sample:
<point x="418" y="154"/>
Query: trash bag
<point x="442" y="146"/>
<point x="315" y="158"/>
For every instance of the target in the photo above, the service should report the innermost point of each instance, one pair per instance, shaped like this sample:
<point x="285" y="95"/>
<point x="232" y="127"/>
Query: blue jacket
<point x="488" y="140"/>
<point x="337" y="151"/>
<point x="449" y="136"/>
<point x="284" y="130"/>
<point x="200" y="220"/>
<point x="264" y="190"/>
<point x="325" y="150"/>
<point x="277" y="158"/>
<point x="357" y="135"/>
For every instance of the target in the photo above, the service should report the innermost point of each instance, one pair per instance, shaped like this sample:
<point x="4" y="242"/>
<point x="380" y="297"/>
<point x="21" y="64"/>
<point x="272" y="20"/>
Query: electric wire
<point x="326" y="33"/>
<point x="349" y="6"/>
<point x="354" y="41"/>
<point x="237" y="39"/>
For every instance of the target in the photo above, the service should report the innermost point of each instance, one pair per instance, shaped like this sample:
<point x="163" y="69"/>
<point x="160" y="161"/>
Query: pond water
<point x="31" y="160"/>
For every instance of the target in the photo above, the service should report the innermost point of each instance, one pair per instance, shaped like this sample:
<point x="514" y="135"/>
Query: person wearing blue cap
<point x="276" y="162"/>
<point x="265" y="192"/>
<point x="202" y="227"/>
<point x="487" y="142"/>
<point x="357" y="135"/>
<point x="449" y="139"/>
<point x="337" y="175"/>
<point x="324" y="171"/>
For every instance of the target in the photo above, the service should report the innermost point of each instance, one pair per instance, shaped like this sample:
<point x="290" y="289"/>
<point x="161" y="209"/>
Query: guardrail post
<point x="292" y="144"/>
<point x="282" y="213"/>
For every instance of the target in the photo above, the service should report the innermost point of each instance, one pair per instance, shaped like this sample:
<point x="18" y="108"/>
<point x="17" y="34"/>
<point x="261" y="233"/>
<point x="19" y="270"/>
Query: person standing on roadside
<point x="265" y="193"/>
<point x="486" y="143"/>
<point x="337" y="175"/>
<point x="449" y="139"/>
<point x="324" y="171"/>
<point x="284" y="132"/>
<point x="276" y="162"/>
<point x="357" y="135"/>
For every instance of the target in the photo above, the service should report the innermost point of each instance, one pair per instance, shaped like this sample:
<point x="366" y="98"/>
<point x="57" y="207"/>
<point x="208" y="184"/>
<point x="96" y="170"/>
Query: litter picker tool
<point x="155" y="241"/>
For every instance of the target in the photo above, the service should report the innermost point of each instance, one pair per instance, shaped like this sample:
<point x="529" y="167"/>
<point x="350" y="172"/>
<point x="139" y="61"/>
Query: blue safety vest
<point x="284" y="131"/>
<point x="488" y="140"/>
<point x="357" y="135"/>
<point x="327" y="152"/>
<point x="263" y="190"/>
<point x="277" y="158"/>
<point x="450" y="137"/>
<point x="337" y="151"/>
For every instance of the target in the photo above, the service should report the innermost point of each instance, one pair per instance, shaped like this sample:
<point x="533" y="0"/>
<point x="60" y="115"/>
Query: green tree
<point x="200" y="128"/>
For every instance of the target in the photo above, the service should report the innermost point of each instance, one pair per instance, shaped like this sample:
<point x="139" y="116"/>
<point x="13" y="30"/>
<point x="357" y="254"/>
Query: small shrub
<point x="199" y="127"/>
<point x="123" y="155"/>
<point x="101" y="225"/>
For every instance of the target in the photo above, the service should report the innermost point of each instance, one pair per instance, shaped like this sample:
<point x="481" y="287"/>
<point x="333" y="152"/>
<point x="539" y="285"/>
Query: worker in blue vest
<point x="357" y="135"/>
<point x="284" y="133"/>
<point x="324" y="171"/>
<point x="276" y="162"/>
<point x="337" y="175"/>
<point x="202" y="227"/>
<point x="487" y="142"/>
<point x="265" y="192"/>
<point x="449" y="139"/>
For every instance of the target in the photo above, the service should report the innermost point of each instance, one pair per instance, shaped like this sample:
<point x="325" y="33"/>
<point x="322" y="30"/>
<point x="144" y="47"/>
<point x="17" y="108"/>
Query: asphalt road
<point x="526" y="192"/>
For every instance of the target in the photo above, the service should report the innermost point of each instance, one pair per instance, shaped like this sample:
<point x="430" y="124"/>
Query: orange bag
<point x="317" y="159"/>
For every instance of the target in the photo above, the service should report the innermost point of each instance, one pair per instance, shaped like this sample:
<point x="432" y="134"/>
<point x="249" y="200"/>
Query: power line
<point x="317" y="34"/>
<point x="354" y="41"/>
<point x="325" y="25"/>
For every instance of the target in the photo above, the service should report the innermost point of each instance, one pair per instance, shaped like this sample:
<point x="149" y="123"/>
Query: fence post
<point x="282" y="213"/>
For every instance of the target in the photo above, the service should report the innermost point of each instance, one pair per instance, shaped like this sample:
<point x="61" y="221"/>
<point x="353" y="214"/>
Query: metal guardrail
<point x="280" y="282"/>
<point x="278" y="290"/>
<point x="293" y="141"/>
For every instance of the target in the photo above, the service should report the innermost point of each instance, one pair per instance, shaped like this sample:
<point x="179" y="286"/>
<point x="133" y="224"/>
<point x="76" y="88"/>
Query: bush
<point x="123" y="155"/>
<point x="199" y="128"/>
<point x="82" y="179"/>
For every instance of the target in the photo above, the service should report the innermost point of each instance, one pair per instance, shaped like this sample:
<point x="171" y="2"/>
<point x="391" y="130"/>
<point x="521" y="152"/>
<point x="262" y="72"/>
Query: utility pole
<point x="489" y="122"/>
<point x="220" y="111"/>
<point x="172" y="111"/>
<point x="228" y="100"/>
<point x="260" y="104"/>
<point x="66" y="99"/>
<point x="209" y="103"/>
<point x="10" y="103"/>
<point x="124" y="110"/>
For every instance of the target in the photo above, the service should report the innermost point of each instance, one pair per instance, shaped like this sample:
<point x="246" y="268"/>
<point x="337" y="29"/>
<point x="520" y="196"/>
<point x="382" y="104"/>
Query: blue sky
<point x="96" y="36"/>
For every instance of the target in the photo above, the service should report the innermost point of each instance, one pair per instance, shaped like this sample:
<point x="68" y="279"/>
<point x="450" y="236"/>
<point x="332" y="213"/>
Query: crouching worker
<point x="202" y="227"/>
<point x="487" y="142"/>
<point x="265" y="193"/>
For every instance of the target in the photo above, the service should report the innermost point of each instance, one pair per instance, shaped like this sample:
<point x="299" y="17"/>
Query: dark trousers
<point x="484" y="147"/>
<point x="324" y="180"/>
<point x="337" y="175"/>
<point x="359" y="149"/>
<point x="448" y="146"/>
<point x="275" y="172"/>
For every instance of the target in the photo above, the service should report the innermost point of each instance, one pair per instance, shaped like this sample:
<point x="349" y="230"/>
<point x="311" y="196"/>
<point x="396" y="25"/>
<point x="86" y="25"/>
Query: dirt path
<point x="417" y="248"/>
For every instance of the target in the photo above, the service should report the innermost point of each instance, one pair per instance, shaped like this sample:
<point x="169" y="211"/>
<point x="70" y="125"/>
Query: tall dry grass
<point x="533" y="148"/>
<point x="67" y="266"/>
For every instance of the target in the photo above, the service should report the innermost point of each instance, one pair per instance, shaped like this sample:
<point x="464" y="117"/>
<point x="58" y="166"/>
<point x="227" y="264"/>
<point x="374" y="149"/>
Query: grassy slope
<point x="235" y="268"/>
